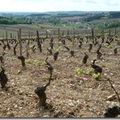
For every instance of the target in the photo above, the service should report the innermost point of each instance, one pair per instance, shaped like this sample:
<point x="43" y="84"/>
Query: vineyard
<point x="59" y="73"/>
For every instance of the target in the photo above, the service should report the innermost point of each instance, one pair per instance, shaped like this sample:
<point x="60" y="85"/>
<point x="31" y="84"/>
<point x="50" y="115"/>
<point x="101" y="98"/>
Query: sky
<point x="58" y="5"/>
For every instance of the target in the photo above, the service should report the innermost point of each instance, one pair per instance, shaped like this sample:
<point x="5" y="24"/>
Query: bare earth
<point x="68" y="95"/>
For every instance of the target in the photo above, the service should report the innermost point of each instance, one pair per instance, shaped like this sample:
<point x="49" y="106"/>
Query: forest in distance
<point x="71" y="19"/>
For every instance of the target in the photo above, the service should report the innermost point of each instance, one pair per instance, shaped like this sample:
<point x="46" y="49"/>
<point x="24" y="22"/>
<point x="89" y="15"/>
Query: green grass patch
<point x="82" y="72"/>
<point x="97" y="76"/>
<point x="110" y="46"/>
<point x="35" y="62"/>
<point x="88" y="71"/>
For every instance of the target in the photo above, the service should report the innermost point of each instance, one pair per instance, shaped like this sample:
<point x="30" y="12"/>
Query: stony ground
<point x="69" y="95"/>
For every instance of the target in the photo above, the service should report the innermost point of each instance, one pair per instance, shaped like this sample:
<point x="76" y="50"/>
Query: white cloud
<point x="59" y="5"/>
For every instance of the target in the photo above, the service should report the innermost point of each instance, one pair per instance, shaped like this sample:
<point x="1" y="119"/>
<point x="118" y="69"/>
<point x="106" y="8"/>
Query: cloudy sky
<point x="58" y="5"/>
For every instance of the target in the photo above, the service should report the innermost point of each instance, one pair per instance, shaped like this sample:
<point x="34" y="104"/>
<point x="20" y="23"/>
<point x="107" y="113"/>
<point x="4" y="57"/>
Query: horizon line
<point x="58" y="11"/>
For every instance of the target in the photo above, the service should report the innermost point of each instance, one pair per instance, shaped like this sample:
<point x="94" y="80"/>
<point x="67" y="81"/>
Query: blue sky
<point x="58" y="5"/>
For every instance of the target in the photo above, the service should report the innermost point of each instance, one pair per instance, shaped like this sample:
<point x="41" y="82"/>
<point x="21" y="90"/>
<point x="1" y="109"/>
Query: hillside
<point x="74" y="19"/>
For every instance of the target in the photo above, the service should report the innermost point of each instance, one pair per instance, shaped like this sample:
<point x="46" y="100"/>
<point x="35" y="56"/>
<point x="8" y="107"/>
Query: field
<point x="75" y="89"/>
